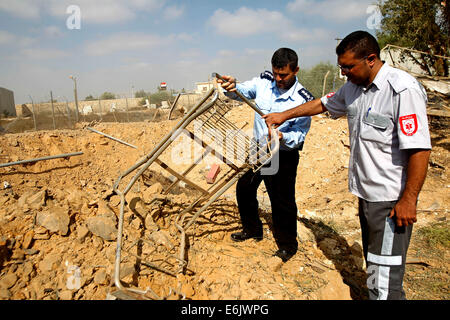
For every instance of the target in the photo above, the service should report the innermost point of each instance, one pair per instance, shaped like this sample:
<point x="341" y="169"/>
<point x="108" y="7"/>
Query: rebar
<point x="111" y="137"/>
<point x="66" y="155"/>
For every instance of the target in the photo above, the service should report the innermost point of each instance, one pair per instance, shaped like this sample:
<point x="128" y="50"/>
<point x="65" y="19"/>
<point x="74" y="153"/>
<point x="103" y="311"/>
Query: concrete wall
<point x="7" y="105"/>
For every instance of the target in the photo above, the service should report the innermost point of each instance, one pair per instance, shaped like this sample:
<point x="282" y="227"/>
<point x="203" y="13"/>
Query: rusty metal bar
<point x="111" y="137"/>
<point x="66" y="155"/>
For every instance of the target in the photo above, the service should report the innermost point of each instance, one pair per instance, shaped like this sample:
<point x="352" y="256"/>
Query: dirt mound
<point x="58" y="220"/>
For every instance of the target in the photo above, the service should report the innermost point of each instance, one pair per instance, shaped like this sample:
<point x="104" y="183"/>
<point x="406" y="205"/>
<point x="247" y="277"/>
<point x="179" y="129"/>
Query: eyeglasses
<point x="350" y="67"/>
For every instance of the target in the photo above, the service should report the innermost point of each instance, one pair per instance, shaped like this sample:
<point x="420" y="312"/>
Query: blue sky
<point x="124" y="46"/>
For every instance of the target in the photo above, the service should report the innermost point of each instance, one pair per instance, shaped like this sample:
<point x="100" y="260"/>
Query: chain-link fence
<point x="59" y="113"/>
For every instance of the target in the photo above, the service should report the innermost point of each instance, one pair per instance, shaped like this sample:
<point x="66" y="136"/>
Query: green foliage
<point x="438" y="233"/>
<point x="420" y="25"/>
<point x="157" y="97"/>
<point x="312" y="79"/>
<point x="141" y="94"/>
<point x="107" y="96"/>
<point x="90" y="98"/>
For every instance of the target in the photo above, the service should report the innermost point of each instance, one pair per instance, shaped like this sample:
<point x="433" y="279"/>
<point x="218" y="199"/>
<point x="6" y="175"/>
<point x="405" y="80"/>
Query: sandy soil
<point x="51" y="212"/>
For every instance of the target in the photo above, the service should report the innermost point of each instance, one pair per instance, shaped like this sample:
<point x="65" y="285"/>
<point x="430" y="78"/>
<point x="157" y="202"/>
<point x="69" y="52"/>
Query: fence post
<point x="126" y="106"/>
<point x="68" y="112"/>
<point x="34" y="114"/>
<point x="53" y="110"/>
<point x="101" y="109"/>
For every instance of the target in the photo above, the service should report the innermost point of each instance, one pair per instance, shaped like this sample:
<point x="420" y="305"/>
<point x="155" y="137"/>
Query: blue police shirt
<point x="269" y="99"/>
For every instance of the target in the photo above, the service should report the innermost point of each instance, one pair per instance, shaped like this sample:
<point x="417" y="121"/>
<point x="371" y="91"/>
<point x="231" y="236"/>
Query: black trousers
<point x="385" y="246"/>
<point x="281" y="190"/>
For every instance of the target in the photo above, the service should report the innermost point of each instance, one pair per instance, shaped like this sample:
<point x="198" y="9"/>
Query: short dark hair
<point x="361" y="43"/>
<point x="283" y="57"/>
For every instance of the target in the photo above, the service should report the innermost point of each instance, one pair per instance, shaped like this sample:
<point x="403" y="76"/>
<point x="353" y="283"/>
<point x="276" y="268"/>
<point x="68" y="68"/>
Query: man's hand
<point x="230" y="85"/>
<point x="275" y="119"/>
<point x="405" y="209"/>
<point x="404" y="213"/>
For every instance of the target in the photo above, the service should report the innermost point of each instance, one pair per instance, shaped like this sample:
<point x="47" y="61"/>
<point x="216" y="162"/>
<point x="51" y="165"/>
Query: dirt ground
<point x="58" y="220"/>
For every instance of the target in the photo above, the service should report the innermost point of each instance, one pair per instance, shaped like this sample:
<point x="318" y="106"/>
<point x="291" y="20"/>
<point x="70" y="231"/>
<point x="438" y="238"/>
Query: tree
<point x="141" y="94"/>
<point x="312" y="79"/>
<point x="107" y="96"/>
<point x="89" y="98"/>
<point x="420" y="25"/>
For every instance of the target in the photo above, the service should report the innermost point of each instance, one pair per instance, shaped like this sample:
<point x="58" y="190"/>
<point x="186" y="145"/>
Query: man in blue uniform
<point x="274" y="91"/>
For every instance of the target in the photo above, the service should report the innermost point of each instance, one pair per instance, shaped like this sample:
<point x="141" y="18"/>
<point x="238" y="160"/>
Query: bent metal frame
<point x="161" y="256"/>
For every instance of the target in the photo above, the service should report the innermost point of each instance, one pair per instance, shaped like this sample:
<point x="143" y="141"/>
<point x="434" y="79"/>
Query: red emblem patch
<point x="408" y="124"/>
<point x="330" y="94"/>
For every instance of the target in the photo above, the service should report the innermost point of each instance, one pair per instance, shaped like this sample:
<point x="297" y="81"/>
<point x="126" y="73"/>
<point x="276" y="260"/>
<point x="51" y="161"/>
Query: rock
<point x="8" y="281"/>
<point x="274" y="263"/>
<point x="335" y="289"/>
<point x="27" y="239"/>
<point x="5" y="294"/>
<point x="50" y="262"/>
<point x="114" y="200"/>
<point x="304" y="233"/>
<point x="18" y="254"/>
<point x="154" y="190"/>
<point x="103" y="227"/>
<point x="161" y="237"/>
<point x="82" y="233"/>
<point x="55" y="220"/>
<point x="66" y="295"/>
<point x="76" y="198"/>
<point x="329" y="246"/>
<point x="35" y="200"/>
<point x="104" y="211"/>
<point x="100" y="277"/>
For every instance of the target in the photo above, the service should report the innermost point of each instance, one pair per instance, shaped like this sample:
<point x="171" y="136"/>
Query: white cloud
<point x="6" y="37"/>
<point x="41" y="54"/>
<point x="336" y="10"/>
<point x="12" y="39"/>
<point x="53" y="31"/>
<point x="131" y="42"/>
<point x="27" y="9"/>
<point x="296" y="35"/>
<point x="245" y="22"/>
<point x="173" y="12"/>
<point x="99" y="11"/>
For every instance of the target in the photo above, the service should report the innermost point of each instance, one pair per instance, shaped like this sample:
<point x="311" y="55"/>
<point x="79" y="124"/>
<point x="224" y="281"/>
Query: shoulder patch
<point x="306" y="94"/>
<point x="267" y="75"/>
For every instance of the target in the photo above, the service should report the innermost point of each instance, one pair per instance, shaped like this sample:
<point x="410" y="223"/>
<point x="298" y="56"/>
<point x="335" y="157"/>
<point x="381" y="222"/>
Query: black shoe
<point x="284" y="254"/>
<point x="242" y="236"/>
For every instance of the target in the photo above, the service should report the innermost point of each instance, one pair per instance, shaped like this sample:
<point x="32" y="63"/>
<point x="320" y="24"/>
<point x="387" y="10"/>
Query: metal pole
<point x="41" y="159"/>
<point x="251" y="104"/>
<point x="108" y="136"/>
<point x="53" y="110"/>
<point x="75" y="93"/>
<point x="34" y="114"/>
<point x="68" y="112"/>
<point x="126" y="106"/>
<point x="101" y="109"/>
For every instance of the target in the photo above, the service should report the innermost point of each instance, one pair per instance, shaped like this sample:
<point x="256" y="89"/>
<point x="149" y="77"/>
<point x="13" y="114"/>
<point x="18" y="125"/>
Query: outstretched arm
<point x="310" y="108"/>
<point x="405" y="209"/>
